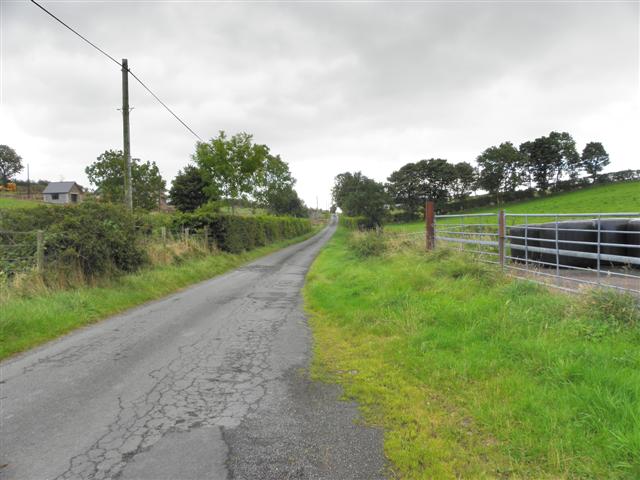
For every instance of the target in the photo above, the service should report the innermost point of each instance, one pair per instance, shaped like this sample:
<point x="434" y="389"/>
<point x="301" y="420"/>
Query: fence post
<point x="40" y="251"/>
<point x="501" y="237"/>
<point x="186" y="235"/>
<point x="429" y="219"/>
<point x="206" y="236"/>
<point x="163" y="232"/>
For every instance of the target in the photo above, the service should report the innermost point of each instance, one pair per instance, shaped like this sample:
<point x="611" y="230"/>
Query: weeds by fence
<point x="565" y="251"/>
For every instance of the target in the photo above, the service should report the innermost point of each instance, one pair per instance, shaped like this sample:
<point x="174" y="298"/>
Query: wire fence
<point x="565" y="251"/>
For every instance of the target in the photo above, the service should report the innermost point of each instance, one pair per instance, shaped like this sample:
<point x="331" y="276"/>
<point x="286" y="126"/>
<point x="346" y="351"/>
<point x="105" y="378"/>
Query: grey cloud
<point x="331" y="87"/>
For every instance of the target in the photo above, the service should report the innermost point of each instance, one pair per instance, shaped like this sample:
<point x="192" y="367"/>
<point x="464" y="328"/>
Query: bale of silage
<point x="612" y="230"/>
<point x="633" y="239"/>
<point x="524" y="235"/>
<point x="569" y="232"/>
<point x="518" y="240"/>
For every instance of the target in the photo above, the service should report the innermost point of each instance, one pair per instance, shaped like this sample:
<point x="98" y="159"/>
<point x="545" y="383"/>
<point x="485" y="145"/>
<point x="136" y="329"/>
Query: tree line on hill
<point x="537" y="167"/>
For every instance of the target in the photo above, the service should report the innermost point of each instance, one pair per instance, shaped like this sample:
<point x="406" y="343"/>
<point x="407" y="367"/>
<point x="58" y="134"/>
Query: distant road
<point x="208" y="383"/>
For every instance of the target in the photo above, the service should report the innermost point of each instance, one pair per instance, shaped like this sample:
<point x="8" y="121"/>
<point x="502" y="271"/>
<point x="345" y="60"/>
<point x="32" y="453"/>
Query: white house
<point x="62" y="193"/>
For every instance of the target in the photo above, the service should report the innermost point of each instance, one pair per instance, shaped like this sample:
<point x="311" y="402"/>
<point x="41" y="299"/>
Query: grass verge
<point x="473" y="375"/>
<point x="31" y="320"/>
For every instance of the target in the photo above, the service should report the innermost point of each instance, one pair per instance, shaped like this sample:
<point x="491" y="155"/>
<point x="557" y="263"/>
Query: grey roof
<point x="60" y="187"/>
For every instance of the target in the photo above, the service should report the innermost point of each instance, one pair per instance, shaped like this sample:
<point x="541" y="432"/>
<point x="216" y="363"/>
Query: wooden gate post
<point x="501" y="237"/>
<point x="429" y="219"/>
<point x="40" y="251"/>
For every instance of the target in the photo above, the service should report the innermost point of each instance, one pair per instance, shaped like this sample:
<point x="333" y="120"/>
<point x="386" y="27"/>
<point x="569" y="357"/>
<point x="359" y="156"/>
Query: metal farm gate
<point x="565" y="251"/>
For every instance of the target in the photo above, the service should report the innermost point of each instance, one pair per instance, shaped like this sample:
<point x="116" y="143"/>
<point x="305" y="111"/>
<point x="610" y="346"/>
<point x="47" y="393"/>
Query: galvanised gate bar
<point x="565" y="251"/>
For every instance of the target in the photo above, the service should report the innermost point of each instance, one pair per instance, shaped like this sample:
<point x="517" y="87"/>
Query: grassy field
<point x="617" y="197"/>
<point x="473" y="375"/>
<point x="29" y="320"/>
<point x="8" y="202"/>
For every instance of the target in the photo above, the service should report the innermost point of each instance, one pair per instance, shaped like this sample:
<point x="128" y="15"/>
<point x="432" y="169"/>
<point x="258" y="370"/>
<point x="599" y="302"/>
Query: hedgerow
<point x="235" y="234"/>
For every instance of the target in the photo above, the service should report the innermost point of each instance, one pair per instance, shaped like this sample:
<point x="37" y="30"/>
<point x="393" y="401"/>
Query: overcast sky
<point x="330" y="86"/>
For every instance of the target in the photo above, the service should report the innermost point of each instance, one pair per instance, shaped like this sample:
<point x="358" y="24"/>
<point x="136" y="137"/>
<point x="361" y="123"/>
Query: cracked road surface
<point x="208" y="383"/>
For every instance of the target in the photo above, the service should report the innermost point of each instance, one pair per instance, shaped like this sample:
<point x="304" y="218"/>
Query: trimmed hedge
<point x="235" y="234"/>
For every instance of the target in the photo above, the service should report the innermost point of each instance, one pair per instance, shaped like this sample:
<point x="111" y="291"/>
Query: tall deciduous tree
<point x="569" y="159"/>
<point x="107" y="174"/>
<point x="10" y="163"/>
<point x="285" y="201"/>
<point x="464" y="182"/>
<point x="357" y="195"/>
<point x="548" y="158"/>
<point x="594" y="159"/>
<point x="187" y="189"/>
<point x="273" y="182"/>
<point x="405" y="188"/>
<point x="230" y="166"/>
<point x="500" y="169"/>
<point x="434" y="179"/>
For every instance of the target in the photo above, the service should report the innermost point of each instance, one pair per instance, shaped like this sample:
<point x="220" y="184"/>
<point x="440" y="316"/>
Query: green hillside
<point x="8" y="202"/>
<point x="611" y="198"/>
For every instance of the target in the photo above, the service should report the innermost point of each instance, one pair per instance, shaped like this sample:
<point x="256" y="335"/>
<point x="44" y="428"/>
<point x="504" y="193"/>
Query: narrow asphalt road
<point x="208" y="383"/>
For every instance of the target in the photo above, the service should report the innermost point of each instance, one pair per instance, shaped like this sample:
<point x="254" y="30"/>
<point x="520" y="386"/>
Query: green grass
<point x="8" y="202"/>
<point x="617" y="197"/>
<point x="31" y="320"/>
<point x="473" y="375"/>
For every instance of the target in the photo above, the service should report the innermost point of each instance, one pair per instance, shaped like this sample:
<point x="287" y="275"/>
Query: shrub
<point x="367" y="244"/>
<point x="91" y="238"/>
<point x="98" y="238"/>
<point x="353" y="223"/>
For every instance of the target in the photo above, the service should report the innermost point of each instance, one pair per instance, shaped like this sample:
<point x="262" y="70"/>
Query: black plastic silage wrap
<point x="612" y="231"/>
<point x="633" y="238"/>
<point x="524" y="236"/>
<point x="618" y="236"/>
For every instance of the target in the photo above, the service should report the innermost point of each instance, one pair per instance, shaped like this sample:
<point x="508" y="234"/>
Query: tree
<point x="10" y="163"/>
<point x="594" y="159"/>
<point x="230" y="166"/>
<point x="550" y="157"/>
<point x="188" y="189"/>
<point x="285" y="201"/>
<point x="415" y="183"/>
<point x="500" y="169"/>
<point x="357" y="195"/>
<point x="569" y="161"/>
<point x="405" y="188"/>
<point x="273" y="184"/>
<point x="107" y="174"/>
<point x="464" y="180"/>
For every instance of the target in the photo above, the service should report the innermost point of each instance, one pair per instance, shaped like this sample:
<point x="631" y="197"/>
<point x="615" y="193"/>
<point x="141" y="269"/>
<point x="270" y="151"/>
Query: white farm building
<point x="62" y="193"/>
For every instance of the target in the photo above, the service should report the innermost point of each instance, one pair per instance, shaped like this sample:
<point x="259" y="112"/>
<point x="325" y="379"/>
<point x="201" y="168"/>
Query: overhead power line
<point x="121" y="66"/>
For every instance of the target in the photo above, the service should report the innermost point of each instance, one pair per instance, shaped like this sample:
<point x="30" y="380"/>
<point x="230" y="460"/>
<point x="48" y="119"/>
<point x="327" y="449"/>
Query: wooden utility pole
<point x="128" y="192"/>
<point x="40" y="251"/>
